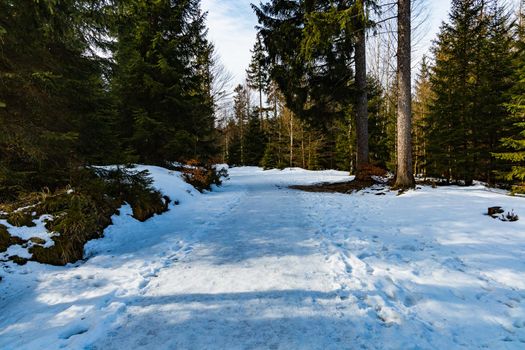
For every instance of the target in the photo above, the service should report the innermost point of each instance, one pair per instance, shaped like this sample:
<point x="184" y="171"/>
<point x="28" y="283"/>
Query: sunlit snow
<point x="256" y="265"/>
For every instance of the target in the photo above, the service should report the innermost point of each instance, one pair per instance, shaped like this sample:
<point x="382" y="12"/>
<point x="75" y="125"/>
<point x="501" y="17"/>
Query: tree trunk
<point x="309" y="151"/>
<point x="302" y="147"/>
<point x="362" y="100"/>
<point x="291" y="140"/>
<point x="278" y="120"/>
<point x="242" y="141"/>
<point x="404" y="176"/>
<point x="261" y="109"/>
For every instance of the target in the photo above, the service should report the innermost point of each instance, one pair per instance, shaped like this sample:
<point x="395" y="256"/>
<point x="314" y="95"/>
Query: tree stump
<point x="495" y="211"/>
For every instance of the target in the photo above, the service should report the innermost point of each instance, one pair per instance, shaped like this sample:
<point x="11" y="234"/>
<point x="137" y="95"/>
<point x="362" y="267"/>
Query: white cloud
<point x="231" y="26"/>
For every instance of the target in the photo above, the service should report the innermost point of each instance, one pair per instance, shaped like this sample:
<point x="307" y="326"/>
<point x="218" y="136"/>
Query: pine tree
<point x="421" y="104"/>
<point x="470" y="79"/>
<point x="52" y="94"/>
<point x="315" y="76"/>
<point x="257" y="74"/>
<point x="255" y="144"/>
<point x="514" y="145"/>
<point x="241" y="111"/>
<point x="163" y="80"/>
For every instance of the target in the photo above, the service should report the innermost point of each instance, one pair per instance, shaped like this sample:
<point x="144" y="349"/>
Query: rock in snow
<point x="256" y="265"/>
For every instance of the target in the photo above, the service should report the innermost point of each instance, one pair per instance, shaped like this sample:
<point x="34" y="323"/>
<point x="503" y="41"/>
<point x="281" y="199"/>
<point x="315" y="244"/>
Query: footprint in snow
<point x="411" y="300"/>
<point x="510" y="303"/>
<point x="76" y="329"/>
<point x="455" y="264"/>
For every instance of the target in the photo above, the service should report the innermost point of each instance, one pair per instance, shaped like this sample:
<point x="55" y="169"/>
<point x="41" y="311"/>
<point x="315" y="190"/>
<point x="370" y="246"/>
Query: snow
<point x="37" y="231"/>
<point x="26" y="233"/>
<point x="256" y="265"/>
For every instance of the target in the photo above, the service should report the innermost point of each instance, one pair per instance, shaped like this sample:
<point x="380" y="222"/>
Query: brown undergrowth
<point x="364" y="179"/>
<point x="79" y="213"/>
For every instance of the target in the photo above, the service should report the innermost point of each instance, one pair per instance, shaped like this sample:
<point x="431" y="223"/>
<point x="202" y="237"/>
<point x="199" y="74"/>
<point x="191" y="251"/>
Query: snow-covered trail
<point x="255" y="265"/>
<point x="255" y="278"/>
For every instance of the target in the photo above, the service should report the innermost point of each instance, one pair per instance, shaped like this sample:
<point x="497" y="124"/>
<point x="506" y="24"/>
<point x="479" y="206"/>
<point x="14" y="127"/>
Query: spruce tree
<point x="514" y="145"/>
<point x="163" y="81"/>
<point x="316" y="80"/>
<point x="241" y="110"/>
<point x="257" y="74"/>
<point x="255" y="143"/>
<point x="495" y="80"/>
<point x="470" y="79"/>
<point x="421" y="104"/>
<point x="55" y="108"/>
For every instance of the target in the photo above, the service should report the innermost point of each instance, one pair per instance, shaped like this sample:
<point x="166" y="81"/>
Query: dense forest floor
<point x="258" y="265"/>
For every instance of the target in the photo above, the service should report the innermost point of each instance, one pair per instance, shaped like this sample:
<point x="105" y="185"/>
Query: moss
<point x="4" y="239"/>
<point x="16" y="240"/>
<point x="18" y="260"/>
<point x="20" y="219"/>
<point x="147" y="204"/>
<point x="82" y="220"/>
<point x="82" y="214"/>
<point x="37" y="240"/>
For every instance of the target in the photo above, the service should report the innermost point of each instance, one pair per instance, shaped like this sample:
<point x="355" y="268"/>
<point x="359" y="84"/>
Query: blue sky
<point x="231" y="27"/>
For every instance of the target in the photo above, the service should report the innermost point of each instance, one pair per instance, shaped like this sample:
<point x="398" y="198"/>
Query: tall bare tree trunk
<point x="279" y="122"/>
<point x="302" y="147"/>
<point x="309" y="151"/>
<point x="291" y="140"/>
<point x="242" y="140"/>
<point x="404" y="176"/>
<point x="261" y="109"/>
<point x="362" y="98"/>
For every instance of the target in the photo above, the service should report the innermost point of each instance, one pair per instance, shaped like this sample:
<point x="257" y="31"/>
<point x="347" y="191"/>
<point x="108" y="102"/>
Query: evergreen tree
<point x="495" y="80"/>
<point x="54" y="107"/>
<point x="255" y="144"/>
<point x="380" y="125"/>
<point x="257" y="74"/>
<point x="241" y="110"/>
<point x="316" y="80"/>
<point x="421" y="104"/>
<point x="514" y="145"/>
<point x="345" y="132"/>
<point x="469" y="83"/>
<point x="163" y="80"/>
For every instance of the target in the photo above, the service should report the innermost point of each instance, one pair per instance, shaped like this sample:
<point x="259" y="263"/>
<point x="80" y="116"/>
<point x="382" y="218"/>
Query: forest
<point x="89" y="84"/>
<point x="353" y="189"/>
<point x="119" y="82"/>
<point x="467" y="98"/>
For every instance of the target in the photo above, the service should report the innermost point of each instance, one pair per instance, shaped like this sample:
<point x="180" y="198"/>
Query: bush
<point x="365" y="172"/>
<point x="202" y="177"/>
<point x="81" y="214"/>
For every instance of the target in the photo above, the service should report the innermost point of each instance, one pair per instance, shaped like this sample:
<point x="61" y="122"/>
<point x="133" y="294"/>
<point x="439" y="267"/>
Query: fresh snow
<point x="256" y="265"/>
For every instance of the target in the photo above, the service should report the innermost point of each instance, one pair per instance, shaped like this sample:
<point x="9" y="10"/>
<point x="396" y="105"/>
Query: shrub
<point x="202" y="177"/>
<point x="81" y="213"/>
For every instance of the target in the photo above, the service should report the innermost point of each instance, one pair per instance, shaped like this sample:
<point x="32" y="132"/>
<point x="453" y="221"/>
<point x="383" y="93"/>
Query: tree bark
<point x="362" y="100"/>
<point x="291" y="140"/>
<point x="261" y="108"/>
<point x="404" y="176"/>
